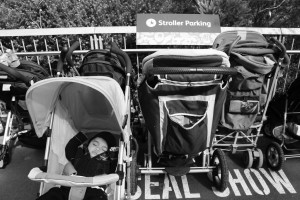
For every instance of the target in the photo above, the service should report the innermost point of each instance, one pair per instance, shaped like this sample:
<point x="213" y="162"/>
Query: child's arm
<point x="73" y="145"/>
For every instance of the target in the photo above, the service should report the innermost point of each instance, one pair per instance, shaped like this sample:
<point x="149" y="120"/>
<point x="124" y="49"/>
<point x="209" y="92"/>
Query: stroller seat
<point x="63" y="106"/>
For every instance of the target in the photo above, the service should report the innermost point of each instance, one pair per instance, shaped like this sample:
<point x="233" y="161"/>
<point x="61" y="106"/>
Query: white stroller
<point x="60" y="107"/>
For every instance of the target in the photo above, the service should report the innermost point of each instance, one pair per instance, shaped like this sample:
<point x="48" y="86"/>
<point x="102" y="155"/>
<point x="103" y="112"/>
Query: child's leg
<point x="54" y="193"/>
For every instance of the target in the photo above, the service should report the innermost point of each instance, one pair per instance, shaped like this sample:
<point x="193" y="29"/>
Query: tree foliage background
<point x="15" y="14"/>
<point x="25" y="14"/>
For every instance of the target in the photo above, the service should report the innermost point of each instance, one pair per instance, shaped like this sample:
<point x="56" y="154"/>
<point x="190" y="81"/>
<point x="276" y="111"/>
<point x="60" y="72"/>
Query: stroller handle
<point x="115" y="49"/>
<point x="191" y="70"/>
<point x="15" y="74"/>
<point x="280" y="46"/>
<point x="70" y="62"/>
<point x="72" y="48"/>
<point x="61" y="59"/>
<point x="283" y="57"/>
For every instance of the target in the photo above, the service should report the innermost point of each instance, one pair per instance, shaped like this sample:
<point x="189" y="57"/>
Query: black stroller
<point x="181" y="94"/>
<point x="282" y="125"/>
<point x="15" y="117"/>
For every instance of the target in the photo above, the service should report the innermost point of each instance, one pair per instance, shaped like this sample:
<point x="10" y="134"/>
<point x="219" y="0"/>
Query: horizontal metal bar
<point x="234" y="145"/>
<point x="293" y="113"/>
<point x="76" y="52"/>
<point x="52" y="53"/>
<point x="293" y="51"/>
<point x="292" y="156"/>
<point x="47" y="53"/>
<point x="68" y="31"/>
<point x="162" y="170"/>
<point x="128" y="30"/>
<point x="238" y="137"/>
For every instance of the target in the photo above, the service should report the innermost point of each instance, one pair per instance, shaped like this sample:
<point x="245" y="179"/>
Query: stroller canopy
<point x="93" y="103"/>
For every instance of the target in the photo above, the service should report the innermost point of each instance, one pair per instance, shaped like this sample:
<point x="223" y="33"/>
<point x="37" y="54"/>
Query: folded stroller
<point x="14" y="84"/>
<point x="258" y="63"/>
<point x="62" y="106"/>
<point x="181" y="93"/>
<point x="282" y="125"/>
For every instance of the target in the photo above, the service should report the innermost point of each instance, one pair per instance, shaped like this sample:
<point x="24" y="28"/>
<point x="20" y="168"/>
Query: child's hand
<point x="69" y="169"/>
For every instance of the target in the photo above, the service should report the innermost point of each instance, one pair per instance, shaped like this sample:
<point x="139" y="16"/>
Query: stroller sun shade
<point x="93" y="103"/>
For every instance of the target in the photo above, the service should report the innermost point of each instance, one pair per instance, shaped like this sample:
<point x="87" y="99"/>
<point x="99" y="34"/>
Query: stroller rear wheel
<point x="248" y="158"/>
<point x="267" y="129"/>
<point x="275" y="156"/>
<point x="220" y="172"/>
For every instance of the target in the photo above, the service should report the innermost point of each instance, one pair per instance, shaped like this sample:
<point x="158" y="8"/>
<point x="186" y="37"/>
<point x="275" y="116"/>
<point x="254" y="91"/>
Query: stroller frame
<point x="124" y="170"/>
<point x="11" y="77"/>
<point x="246" y="140"/>
<point x="278" y="150"/>
<point x="213" y="160"/>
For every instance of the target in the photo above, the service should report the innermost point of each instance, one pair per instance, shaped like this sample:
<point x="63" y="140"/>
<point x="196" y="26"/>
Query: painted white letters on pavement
<point x="245" y="182"/>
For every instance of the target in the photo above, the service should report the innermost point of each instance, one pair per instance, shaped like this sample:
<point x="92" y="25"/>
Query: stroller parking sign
<point x="177" y="29"/>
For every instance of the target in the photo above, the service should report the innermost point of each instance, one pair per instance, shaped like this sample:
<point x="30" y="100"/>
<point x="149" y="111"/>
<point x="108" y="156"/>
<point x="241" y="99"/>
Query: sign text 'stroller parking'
<point x="177" y="29"/>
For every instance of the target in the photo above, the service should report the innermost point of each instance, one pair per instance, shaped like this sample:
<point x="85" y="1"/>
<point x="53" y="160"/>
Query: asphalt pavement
<point x="261" y="183"/>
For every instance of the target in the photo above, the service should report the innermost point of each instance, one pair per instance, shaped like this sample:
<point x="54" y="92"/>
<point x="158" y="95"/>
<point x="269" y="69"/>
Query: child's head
<point x="97" y="146"/>
<point x="100" y="144"/>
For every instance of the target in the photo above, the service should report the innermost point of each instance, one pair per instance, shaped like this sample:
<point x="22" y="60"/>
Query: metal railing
<point x="44" y="45"/>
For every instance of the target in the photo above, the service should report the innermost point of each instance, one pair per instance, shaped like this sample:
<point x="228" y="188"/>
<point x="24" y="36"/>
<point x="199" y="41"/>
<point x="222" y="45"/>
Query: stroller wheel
<point x="220" y="172"/>
<point x="259" y="158"/>
<point x="248" y="158"/>
<point x="4" y="156"/>
<point x="275" y="156"/>
<point x="133" y="174"/>
<point x="267" y="129"/>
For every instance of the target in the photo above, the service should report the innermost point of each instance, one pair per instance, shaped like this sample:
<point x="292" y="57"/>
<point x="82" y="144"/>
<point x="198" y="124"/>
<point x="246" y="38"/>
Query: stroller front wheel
<point x="248" y="158"/>
<point x="259" y="158"/>
<point x="133" y="173"/>
<point x="4" y="156"/>
<point x="275" y="156"/>
<point x="220" y="171"/>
